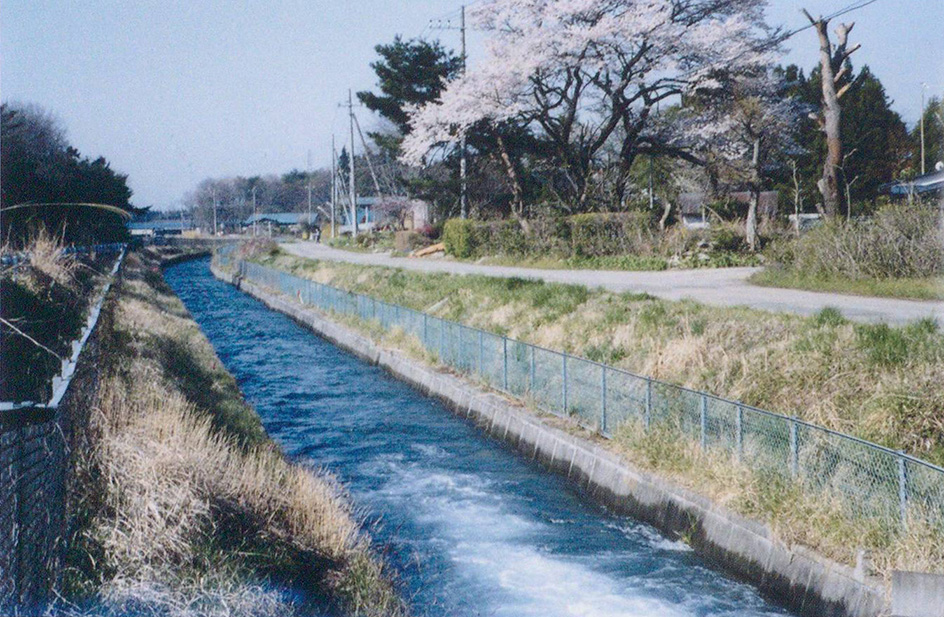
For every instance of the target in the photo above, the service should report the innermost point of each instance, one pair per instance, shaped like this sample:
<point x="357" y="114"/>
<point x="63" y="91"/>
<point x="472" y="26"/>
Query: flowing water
<point x="472" y="528"/>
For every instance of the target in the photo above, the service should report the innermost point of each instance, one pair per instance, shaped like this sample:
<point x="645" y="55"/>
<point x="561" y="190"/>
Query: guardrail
<point x="871" y="480"/>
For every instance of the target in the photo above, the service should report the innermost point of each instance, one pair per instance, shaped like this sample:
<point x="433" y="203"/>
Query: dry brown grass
<point x="188" y="514"/>
<point x="46" y="255"/>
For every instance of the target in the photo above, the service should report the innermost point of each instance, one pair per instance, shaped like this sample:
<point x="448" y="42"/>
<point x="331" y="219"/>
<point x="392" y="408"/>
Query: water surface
<point x="472" y="528"/>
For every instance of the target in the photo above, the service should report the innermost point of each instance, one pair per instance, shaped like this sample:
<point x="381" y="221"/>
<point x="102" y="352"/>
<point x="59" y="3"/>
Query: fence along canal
<point x="471" y="527"/>
<point x="871" y="480"/>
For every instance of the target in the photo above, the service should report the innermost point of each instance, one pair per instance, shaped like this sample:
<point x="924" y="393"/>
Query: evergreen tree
<point x="410" y="72"/>
<point x="933" y="136"/>
<point x="875" y="139"/>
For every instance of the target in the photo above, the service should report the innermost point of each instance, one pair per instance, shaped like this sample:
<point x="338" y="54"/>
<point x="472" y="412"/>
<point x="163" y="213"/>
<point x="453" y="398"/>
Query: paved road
<point x="722" y="287"/>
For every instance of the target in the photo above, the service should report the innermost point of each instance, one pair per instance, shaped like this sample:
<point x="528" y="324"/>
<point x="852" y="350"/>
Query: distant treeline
<point x="40" y="166"/>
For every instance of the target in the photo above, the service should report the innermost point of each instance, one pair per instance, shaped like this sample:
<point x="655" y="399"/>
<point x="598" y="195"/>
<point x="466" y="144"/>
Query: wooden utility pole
<point x="351" y="187"/>
<point x="463" y="182"/>
<point x="255" y="213"/>
<point x="833" y="65"/>
<point x="463" y="185"/>
<point x="308" y="173"/>
<point x="334" y="188"/>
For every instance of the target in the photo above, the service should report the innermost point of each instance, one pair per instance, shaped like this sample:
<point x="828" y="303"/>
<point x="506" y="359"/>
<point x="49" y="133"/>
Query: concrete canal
<point x="471" y="528"/>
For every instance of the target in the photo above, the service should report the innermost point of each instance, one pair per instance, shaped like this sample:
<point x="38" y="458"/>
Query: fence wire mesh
<point x="870" y="480"/>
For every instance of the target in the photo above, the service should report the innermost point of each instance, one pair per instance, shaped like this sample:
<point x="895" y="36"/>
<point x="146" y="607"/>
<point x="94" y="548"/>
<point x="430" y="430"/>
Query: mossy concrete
<point x="793" y="576"/>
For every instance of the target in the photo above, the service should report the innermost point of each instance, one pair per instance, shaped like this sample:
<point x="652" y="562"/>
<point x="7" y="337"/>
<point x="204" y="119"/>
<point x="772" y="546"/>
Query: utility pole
<point x="463" y="184"/>
<point x="308" y="173"/>
<point x="255" y="212"/>
<point x="924" y="87"/>
<point x="463" y="198"/>
<point x="334" y="187"/>
<point x="351" y="187"/>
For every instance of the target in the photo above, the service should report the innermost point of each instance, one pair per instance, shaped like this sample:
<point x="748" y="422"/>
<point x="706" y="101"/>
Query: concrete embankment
<point x="798" y="578"/>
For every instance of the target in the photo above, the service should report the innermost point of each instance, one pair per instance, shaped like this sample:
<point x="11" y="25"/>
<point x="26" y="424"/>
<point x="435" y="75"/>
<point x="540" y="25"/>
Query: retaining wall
<point x="35" y="463"/>
<point x="793" y="576"/>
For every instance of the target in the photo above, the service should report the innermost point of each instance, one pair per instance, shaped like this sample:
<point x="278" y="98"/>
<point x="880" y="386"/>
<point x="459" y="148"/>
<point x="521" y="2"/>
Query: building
<point x="159" y="227"/>
<point x="371" y="214"/>
<point x="279" y="222"/>
<point x="928" y="185"/>
<point x="694" y="207"/>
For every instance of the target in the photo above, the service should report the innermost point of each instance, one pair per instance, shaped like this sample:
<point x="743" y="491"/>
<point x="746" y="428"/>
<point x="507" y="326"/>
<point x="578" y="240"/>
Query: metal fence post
<point x="531" y="374"/>
<point x="442" y="341"/>
<point x="704" y="422"/>
<point x="564" y="384"/>
<point x="505" y="363"/>
<point x="903" y="491"/>
<point x="739" y="428"/>
<point x="647" y="416"/>
<point x="794" y="449"/>
<point x="603" y="398"/>
<point x="481" y="354"/>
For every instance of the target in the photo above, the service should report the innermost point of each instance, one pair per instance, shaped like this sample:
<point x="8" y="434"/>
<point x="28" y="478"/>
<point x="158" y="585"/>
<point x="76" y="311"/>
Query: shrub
<point x="900" y="241"/>
<point x="458" y="237"/>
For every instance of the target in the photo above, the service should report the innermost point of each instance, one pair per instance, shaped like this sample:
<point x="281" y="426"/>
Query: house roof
<point x="281" y="218"/>
<point x="928" y="183"/>
<point x="161" y="224"/>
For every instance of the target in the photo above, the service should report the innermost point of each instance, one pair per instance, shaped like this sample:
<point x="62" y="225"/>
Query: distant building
<point x="694" y="213"/>
<point x="927" y="185"/>
<point x="159" y="227"/>
<point x="371" y="215"/>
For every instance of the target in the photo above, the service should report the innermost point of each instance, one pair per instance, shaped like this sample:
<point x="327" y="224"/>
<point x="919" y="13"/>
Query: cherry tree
<point x="582" y="73"/>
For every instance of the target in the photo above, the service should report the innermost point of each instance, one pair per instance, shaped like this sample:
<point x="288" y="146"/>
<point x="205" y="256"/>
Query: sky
<point x="174" y="92"/>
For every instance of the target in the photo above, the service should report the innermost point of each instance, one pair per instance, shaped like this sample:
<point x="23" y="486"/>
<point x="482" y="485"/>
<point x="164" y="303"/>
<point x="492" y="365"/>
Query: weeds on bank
<point x="187" y="507"/>
<point x="913" y="288"/>
<point x="797" y="514"/>
<point x="879" y="383"/>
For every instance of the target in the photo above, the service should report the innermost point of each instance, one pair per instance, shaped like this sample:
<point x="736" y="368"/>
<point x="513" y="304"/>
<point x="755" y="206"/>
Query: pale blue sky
<point x="173" y="92"/>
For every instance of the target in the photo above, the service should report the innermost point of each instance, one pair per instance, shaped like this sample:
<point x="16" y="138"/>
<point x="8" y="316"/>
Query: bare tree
<point x="834" y="66"/>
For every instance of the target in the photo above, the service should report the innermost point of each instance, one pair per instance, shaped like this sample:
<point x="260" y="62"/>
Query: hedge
<point x="582" y="236"/>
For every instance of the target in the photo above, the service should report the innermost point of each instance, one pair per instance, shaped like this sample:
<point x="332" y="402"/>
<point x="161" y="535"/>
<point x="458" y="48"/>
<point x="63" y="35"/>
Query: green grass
<point x="851" y="375"/>
<point x="914" y="289"/>
<point x="628" y="263"/>
<point x="877" y="382"/>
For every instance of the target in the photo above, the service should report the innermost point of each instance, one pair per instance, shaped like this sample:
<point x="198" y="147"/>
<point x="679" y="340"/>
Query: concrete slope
<point x="720" y="286"/>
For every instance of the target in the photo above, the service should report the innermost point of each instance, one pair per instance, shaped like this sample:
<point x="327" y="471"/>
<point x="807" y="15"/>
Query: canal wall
<point x="792" y="575"/>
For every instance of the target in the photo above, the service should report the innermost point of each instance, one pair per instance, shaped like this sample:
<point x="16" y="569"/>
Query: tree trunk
<point x="518" y="199"/>
<point x="832" y="63"/>
<point x="751" y="225"/>
<point x="666" y="211"/>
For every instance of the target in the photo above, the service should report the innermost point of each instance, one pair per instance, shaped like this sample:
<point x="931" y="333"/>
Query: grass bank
<point x="45" y="302"/>
<point x="910" y="288"/>
<point x="185" y="506"/>
<point x="898" y="252"/>
<point x="865" y="380"/>
<point x="873" y="381"/>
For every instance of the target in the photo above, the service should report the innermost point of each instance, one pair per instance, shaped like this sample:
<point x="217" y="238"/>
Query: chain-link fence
<point x="872" y="481"/>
